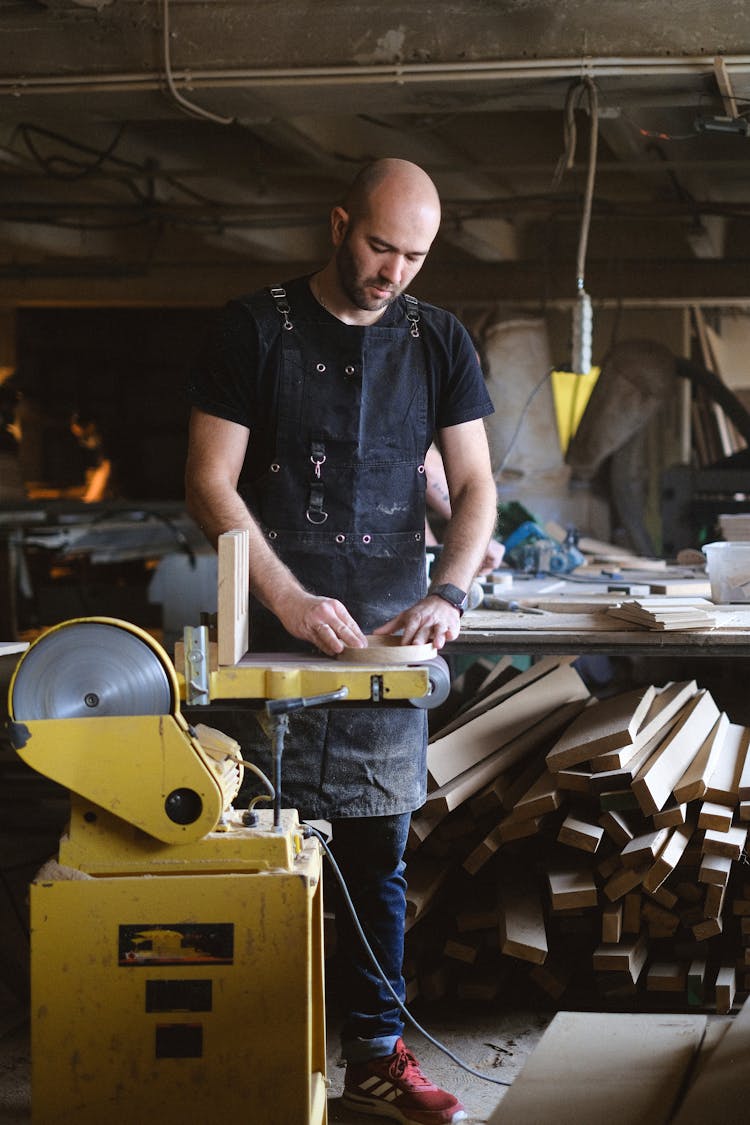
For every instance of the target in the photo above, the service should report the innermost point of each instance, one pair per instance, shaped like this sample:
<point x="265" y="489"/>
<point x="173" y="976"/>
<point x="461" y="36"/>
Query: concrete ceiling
<point x="180" y="168"/>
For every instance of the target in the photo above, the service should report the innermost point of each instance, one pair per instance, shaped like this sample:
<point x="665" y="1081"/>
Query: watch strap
<point x="454" y="595"/>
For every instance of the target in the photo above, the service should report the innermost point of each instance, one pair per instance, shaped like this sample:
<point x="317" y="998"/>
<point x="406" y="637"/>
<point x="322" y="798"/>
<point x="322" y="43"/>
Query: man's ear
<point x="339" y="225"/>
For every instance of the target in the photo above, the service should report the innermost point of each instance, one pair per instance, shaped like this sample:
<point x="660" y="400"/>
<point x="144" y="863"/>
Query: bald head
<point x="392" y="182"/>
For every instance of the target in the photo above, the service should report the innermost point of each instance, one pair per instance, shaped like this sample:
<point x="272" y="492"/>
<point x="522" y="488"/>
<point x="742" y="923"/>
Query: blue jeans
<point x="369" y="851"/>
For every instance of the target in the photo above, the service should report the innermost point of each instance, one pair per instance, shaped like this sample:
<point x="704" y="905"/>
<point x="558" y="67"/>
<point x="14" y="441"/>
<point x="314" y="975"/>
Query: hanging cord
<point x="582" y="313"/>
<point x="567" y="159"/>
<point x="532" y="395"/>
<point x="183" y="103"/>
<point x="588" y="199"/>
<point x="309" y="830"/>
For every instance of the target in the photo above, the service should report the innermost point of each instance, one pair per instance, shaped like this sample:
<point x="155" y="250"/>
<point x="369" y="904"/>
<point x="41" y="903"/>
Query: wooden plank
<point x="617" y="828"/>
<point x="663" y="896"/>
<point x="624" y="881"/>
<point x="574" y="780"/>
<point x="426" y="877"/>
<point x="509" y="687"/>
<point x="605" y="725"/>
<point x="543" y="797"/>
<point x="580" y="834"/>
<point x="709" y="928"/>
<point x="713" y="815"/>
<point x="666" y="976"/>
<point x="612" y="923"/>
<point x="694" y="782"/>
<point x="233" y="611"/>
<point x="728" y="843"/>
<point x="635" y="1066"/>
<point x="454" y="753"/>
<point x="667" y="860"/>
<point x="724" y="784"/>
<point x="719" y="1092"/>
<point x="522" y="930"/>
<point x="666" y="704"/>
<point x="572" y="888"/>
<point x="645" y="848"/>
<point x="623" y="778"/>
<point x="671" y="816"/>
<point x="743" y="788"/>
<point x="623" y="957"/>
<point x="466" y="784"/>
<point x="713" y="904"/>
<point x="631" y="912"/>
<point x="715" y="869"/>
<point x="653" y="784"/>
<point x="661" y="923"/>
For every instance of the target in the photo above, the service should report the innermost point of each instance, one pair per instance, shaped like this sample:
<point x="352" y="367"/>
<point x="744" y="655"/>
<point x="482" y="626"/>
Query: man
<point x="310" y="426"/>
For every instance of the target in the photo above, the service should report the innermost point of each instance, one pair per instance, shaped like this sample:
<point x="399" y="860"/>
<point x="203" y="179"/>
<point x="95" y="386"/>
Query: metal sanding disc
<point x="90" y="669"/>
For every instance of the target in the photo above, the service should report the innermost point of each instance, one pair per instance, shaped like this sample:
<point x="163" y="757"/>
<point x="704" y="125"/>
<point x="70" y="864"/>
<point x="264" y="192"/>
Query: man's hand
<point x="325" y="622"/>
<point x="431" y="621"/>
<point x="493" y="557"/>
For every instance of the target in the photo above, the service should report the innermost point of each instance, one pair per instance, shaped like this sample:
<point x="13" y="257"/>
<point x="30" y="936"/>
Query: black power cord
<point x="309" y="830"/>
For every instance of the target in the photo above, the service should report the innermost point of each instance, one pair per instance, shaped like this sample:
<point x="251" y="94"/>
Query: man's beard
<point x="355" y="289"/>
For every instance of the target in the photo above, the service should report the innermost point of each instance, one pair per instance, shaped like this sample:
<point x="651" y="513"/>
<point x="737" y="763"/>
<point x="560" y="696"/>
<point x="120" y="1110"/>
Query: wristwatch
<point x="453" y="595"/>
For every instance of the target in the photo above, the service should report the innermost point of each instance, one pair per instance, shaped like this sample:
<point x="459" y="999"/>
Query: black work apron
<point x="342" y="504"/>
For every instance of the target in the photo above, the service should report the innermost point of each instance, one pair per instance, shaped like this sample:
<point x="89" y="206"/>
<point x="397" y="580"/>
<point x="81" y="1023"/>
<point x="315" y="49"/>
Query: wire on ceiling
<point x="188" y="106"/>
<point x="582" y="314"/>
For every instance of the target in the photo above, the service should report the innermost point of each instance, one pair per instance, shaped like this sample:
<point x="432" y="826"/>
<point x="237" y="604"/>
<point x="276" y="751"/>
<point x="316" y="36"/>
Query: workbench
<point x="558" y="632"/>
<point x="484" y="631"/>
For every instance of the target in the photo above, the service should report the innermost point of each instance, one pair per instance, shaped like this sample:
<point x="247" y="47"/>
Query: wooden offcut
<point x="577" y="833"/>
<point x="451" y="754"/>
<point x="694" y="782"/>
<point x="232" y="621"/>
<point x="522" y="929"/>
<point x="653" y="784"/>
<point x="724" y="784"/>
<point x="604" y="726"/>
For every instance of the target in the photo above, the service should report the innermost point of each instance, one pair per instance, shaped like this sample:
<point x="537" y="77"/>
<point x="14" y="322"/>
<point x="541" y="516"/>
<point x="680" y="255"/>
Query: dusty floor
<point x="494" y="1043"/>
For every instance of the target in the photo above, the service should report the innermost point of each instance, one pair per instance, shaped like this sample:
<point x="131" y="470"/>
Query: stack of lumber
<point x="598" y="842"/>
<point x="663" y="613"/>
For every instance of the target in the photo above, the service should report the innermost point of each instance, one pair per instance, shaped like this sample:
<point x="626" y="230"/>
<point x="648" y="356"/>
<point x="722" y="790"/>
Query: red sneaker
<point x="394" y="1086"/>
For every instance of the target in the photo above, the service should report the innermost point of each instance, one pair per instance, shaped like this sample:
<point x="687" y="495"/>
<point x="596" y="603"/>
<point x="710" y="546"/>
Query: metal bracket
<point x="195" y="640"/>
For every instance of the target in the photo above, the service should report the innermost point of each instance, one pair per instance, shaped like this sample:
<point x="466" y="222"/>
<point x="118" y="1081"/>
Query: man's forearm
<point x="271" y="582"/>
<point x="467" y="534"/>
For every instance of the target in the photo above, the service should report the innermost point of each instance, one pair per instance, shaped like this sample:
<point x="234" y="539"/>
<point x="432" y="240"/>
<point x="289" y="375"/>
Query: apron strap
<point x="315" y="512"/>
<point x="412" y="314"/>
<point x="279" y="297"/>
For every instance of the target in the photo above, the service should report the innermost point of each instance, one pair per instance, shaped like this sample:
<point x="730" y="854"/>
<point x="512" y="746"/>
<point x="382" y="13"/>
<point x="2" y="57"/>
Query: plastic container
<point x="728" y="566"/>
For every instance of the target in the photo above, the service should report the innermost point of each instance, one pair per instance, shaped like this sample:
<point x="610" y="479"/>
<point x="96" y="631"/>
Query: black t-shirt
<point x="237" y="374"/>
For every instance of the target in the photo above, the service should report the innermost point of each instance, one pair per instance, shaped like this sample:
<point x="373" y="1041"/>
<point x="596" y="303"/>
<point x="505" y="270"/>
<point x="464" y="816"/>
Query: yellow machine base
<point x="177" y="998"/>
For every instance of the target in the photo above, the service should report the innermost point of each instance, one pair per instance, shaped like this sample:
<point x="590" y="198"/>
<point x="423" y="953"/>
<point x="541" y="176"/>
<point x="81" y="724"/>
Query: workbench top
<point x="574" y="620"/>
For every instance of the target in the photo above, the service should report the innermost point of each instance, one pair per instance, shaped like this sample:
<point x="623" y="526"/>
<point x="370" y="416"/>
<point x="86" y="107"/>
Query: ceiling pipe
<point x="398" y="73"/>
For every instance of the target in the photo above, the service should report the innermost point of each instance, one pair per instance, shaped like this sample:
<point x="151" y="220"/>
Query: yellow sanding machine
<point x="177" y="945"/>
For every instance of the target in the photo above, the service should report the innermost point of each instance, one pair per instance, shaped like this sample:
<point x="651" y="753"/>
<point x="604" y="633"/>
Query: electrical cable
<point x="80" y="169"/>
<point x="535" y="390"/>
<point x="378" y="969"/>
<point x="188" y="106"/>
